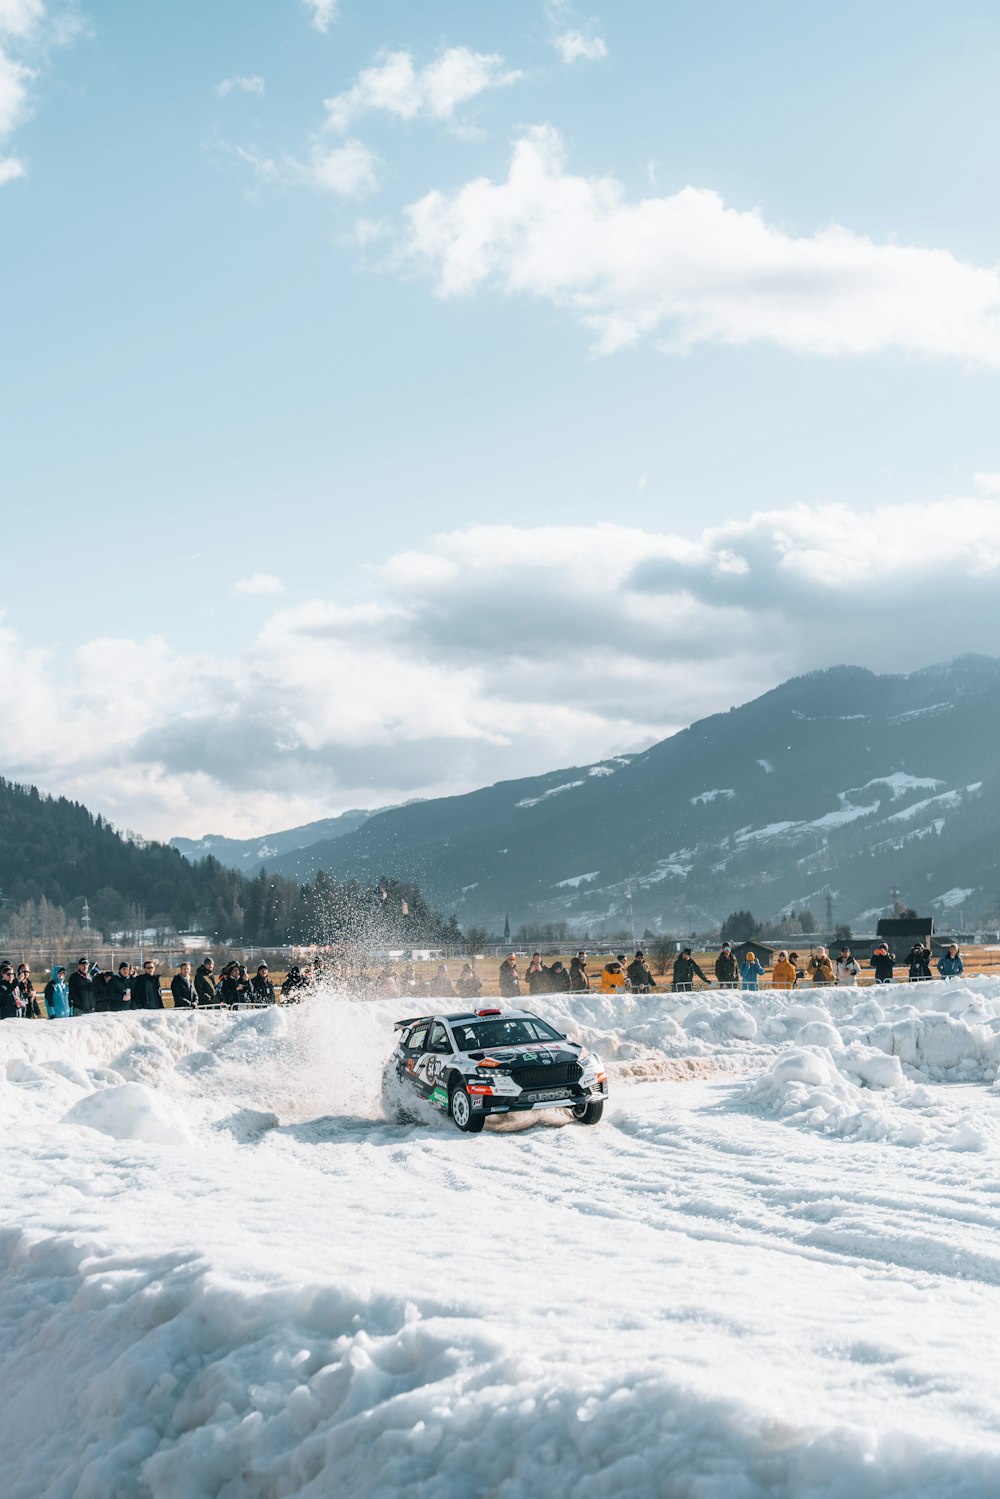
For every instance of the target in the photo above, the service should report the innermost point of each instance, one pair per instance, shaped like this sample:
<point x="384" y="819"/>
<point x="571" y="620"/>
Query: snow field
<point x="225" y="1275"/>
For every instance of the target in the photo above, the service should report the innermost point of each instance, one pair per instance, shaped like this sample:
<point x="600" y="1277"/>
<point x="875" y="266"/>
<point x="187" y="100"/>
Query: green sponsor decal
<point x="438" y="1094"/>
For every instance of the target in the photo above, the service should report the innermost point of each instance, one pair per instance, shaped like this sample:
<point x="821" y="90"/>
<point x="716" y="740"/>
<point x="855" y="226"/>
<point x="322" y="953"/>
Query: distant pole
<point x="628" y="906"/>
<point x="86" y="926"/>
<point x="829" y="910"/>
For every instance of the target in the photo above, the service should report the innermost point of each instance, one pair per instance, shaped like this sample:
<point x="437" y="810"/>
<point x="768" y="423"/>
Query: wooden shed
<point x="765" y="952"/>
<point x="902" y="931"/>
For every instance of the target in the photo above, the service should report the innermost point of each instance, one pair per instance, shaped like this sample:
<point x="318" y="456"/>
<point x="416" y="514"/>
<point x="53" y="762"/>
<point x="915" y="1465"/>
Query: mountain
<point x="53" y="850"/>
<point x="839" y="781"/>
<point x="250" y="855"/>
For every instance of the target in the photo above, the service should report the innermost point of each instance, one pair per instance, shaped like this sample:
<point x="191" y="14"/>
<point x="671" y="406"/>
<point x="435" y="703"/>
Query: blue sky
<point x="359" y="360"/>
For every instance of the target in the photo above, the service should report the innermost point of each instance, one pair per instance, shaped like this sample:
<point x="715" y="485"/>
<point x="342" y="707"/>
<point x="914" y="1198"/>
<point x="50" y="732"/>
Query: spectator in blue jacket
<point x="750" y="971"/>
<point x="57" y="995"/>
<point x="950" y="965"/>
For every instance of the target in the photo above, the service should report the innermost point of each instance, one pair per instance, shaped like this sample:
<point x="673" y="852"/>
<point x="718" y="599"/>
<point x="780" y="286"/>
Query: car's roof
<point x="468" y="1017"/>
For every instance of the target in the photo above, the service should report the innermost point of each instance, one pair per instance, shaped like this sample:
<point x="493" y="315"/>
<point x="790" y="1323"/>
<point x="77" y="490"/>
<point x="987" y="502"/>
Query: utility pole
<point x="829" y="912"/>
<point x="628" y="907"/>
<point x="85" y="923"/>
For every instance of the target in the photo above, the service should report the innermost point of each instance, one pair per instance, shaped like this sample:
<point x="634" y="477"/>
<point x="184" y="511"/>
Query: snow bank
<point x="186" y="1384"/>
<point x="131" y="1112"/>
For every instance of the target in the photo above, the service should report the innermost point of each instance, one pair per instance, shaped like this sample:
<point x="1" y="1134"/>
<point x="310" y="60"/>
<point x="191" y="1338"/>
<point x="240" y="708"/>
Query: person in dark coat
<point x="120" y="990"/>
<point x="244" y="985"/>
<point x="510" y="981"/>
<point x="558" y="978"/>
<point x="918" y="960"/>
<point x="228" y="990"/>
<point x="185" y="996"/>
<point x="263" y="989"/>
<point x="81" y="990"/>
<point x="146" y="988"/>
<point x="579" y="978"/>
<point x="468" y="986"/>
<point x="537" y="975"/>
<point x="883" y="961"/>
<point x="204" y="983"/>
<point x="727" y="969"/>
<point x="640" y="975"/>
<point x="30" y="1009"/>
<point x="9" y="1007"/>
<point x="685" y="970"/>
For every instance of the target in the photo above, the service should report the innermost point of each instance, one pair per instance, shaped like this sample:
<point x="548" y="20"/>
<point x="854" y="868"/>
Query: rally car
<point x="481" y="1062"/>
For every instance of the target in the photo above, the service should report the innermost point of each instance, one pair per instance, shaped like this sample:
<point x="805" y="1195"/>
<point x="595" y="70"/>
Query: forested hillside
<point x="55" y="854"/>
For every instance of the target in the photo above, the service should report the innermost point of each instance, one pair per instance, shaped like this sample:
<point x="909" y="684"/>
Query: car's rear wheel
<point x="588" y="1113"/>
<point x="460" y="1109"/>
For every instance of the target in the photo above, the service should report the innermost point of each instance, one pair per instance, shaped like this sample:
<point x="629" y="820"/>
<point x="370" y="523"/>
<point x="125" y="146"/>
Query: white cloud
<point x="250" y="83"/>
<point x="349" y="171"/>
<point x="21" y="18"/>
<point x="258" y="583"/>
<point x="14" y="80"/>
<point x="10" y="168"/>
<point x="579" y="46"/>
<point x="686" y="269"/>
<point x="494" y="652"/>
<point x="397" y="87"/>
<point x="322" y="13"/>
<point x="988" y="483"/>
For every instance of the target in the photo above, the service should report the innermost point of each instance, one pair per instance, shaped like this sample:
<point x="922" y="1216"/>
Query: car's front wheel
<point x="588" y="1113"/>
<point x="460" y="1109"/>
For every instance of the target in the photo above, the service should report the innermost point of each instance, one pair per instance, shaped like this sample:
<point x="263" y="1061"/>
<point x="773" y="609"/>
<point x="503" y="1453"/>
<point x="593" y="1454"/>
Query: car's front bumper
<point x="529" y="1099"/>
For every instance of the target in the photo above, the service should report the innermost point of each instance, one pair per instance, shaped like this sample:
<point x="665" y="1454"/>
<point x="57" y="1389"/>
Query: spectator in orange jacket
<point x="783" y="973"/>
<point x="612" y="978"/>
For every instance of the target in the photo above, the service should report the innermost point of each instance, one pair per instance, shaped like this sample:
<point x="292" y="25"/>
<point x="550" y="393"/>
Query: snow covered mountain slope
<point x="224" y="1275"/>
<point x="841" y="780"/>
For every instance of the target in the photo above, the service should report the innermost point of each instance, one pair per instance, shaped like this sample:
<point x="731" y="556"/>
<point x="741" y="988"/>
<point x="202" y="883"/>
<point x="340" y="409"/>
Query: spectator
<point x="204" y="984"/>
<point x="783" y="973"/>
<point x="228" y="988"/>
<point x="950" y="964"/>
<point x="685" y="969"/>
<point x="119" y="988"/>
<point x="263" y="989"/>
<point x="613" y="979"/>
<point x="847" y="969"/>
<point x="10" y="1008"/>
<point x="537" y="975"/>
<point x="821" y="969"/>
<point x="443" y="985"/>
<point x="291" y="989"/>
<point x="800" y="973"/>
<point x="146" y="993"/>
<point x="579" y="978"/>
<point x="26" y="989"/>
<point x="640" y="975"/>
<point x="918" y="959"/>
<point x="244" y="985"/>
<point x="82" y="998"/>
<point x="56" y="995"/>
<point x="558" y="978"/>
<point x="102" y="998"/>
<point x="727" y="969"/>
<point x="468" y="986"/>
<point x="185" y="995"/>
<point x="750" y="972"/>
<point x="883" y="961"/>
<point x="510" y="979"/>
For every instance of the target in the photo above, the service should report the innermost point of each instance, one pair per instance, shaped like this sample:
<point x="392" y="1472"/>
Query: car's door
<point x="438" y="1052"/>
<point x="414" y="1047"/>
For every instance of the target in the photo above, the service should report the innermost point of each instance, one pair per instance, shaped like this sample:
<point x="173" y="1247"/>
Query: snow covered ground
<point x="774" y="1268"/>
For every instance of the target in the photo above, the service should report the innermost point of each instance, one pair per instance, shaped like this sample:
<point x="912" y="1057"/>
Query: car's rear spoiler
<point x="401" y="1025"/>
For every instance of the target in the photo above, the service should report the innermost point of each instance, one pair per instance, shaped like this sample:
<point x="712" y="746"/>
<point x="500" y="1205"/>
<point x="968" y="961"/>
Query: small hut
<point x="764" y="950"/>
<point x="901" y="932"/>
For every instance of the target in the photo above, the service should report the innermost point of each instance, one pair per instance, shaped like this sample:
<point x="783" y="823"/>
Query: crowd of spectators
<point x="819" y="970"/>
<point x="90" y="989"/>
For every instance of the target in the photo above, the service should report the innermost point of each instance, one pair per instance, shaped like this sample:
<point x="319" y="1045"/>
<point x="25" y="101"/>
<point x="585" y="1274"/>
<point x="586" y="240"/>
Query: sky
<point x="395" y="399"/>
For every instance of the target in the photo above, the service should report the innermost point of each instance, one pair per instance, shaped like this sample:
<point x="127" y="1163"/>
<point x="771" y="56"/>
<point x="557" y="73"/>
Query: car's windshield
<point x="477" y="1035"/>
